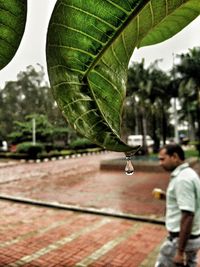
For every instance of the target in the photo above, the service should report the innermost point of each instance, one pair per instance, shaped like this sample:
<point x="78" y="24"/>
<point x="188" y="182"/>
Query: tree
<point x="148" y="101"/>
<point x="28" y="95"/>
<point x="45" y="131"/>
<point x="189" y="69"/>
<point x="159" y="102"/>
<point x="88" y="56"/>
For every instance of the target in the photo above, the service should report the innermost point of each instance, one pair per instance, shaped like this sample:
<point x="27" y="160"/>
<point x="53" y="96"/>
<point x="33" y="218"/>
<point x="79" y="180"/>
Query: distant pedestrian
<point x="182" y="210"/>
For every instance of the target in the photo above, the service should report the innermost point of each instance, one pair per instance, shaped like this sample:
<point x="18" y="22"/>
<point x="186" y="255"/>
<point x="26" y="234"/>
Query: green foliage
<point x="189" y="90"/>
<point x="189" y="153"/>
<point x="81" y="143"/>
<point x="45" y="131"/>
<point x="196" y="144"/>
<point x="89" y="45"/>
<point x="166" y="18"/>
<point x="56" y="153"/>
<point x="13" y="155"/>
<point x="12" y="21"/>
<point x="148" y="101"/>
<point x="28" y="95"/>
<point x="31" y="149"/>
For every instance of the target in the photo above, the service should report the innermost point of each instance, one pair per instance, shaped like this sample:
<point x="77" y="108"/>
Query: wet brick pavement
<point x="80" y="183"/>
<point x="32" y="236"/>
<point x="37" y="236"/>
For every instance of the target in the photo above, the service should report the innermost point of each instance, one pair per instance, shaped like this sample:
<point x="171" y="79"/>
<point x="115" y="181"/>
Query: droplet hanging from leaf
<point x="89" y="45"/>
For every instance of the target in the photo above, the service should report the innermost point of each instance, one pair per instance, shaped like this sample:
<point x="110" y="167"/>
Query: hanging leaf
<point x="178" y="16"/>
<point x="12" y="25"/>
<point x="89" y="45"/>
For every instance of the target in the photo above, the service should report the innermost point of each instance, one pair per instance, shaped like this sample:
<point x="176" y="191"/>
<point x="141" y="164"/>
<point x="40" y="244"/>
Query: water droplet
<point x="129" y="169"/>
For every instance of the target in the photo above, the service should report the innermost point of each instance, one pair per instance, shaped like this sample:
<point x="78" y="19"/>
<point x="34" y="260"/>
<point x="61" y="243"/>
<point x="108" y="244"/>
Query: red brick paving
<point x="73" y="239"/>
<point x="33" y="236"/>
<point x="83" y="234"/>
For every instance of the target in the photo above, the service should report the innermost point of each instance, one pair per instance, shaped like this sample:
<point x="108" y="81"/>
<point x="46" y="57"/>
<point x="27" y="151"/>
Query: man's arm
<point x="184" y="235"/>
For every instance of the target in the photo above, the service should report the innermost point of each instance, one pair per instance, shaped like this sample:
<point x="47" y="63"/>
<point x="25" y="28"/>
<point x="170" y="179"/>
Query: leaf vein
<point x="75" y="30"/>
<point x="85" y="113"/>
<point x="67" y="68"/>
<point x="138" y="28"/>
<point x="71" y="83"/>
<point x="103" y="77"/>
<point x="166" y="7"/>
<point x="90" y="14"/>
<point x="72" y="48"/>
<point x="152" y="13"/>
<point x="6" y="41"/>
<point x="124" y="43"/>
<point x="117" y="6"/>
<point x="117" y="59"/>
<point x="95" y="124"/>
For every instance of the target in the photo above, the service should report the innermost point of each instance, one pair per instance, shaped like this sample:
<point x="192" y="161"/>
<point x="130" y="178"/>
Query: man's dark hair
<point x="174" y="148"/>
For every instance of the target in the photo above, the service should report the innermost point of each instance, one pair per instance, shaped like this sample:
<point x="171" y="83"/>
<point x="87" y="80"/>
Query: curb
<point x="53" y="158"/>
<point x="102" y="212"/>
<point x="118" y="164"/>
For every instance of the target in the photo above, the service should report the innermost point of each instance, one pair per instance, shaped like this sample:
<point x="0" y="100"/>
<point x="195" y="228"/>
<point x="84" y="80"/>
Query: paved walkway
<point x="78" y="182"/>
<point x="38" y="236"/>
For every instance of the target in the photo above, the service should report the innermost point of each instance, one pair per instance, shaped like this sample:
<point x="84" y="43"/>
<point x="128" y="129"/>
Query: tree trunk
<point x="191" y="128"/>
<point x="144" y="133"/>
<point x="164" y="126"/>
<point x="155" y="137"/>
<point x="198" y="119"/>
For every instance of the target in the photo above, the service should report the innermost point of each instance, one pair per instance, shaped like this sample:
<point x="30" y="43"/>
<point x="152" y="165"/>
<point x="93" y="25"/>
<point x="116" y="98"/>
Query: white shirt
<point x="183" y="193"/>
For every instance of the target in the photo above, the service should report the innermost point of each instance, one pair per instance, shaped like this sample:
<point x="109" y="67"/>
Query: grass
<point x="191" y="153"/>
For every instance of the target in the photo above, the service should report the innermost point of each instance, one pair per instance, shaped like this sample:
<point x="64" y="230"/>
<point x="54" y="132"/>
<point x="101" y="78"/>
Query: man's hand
<point x="179" y="259"/>
<point x="159" y="193"/>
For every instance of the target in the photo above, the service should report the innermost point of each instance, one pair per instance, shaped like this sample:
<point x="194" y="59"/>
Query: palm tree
<point x="137" y="89"/>
<point x="159" y="95"/>
<point x="147" y="92"/>
<point x="189" y="71"/>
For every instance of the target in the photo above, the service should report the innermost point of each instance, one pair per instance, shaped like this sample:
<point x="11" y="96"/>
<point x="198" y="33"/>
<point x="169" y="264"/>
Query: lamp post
<point x="136" y="114"/>
<point x="33" y="131"/>
<point x="176" y="138"/>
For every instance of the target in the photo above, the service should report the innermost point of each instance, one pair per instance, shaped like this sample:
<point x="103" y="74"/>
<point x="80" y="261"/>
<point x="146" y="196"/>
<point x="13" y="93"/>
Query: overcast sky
<point x="32" y="48"/>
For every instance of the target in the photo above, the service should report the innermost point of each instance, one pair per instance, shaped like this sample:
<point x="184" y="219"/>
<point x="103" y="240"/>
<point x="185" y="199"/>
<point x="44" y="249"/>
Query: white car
<point x="136" y="140"/>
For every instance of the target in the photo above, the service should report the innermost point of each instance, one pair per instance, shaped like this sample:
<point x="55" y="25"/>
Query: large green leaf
<point x="175" y="20"/>
<point x="89" y="45"/>
<point x="12" y="25"/>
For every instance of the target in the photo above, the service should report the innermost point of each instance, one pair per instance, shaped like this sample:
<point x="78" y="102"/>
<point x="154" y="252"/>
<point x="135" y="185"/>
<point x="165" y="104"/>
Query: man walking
<point x="182" y="210"/>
